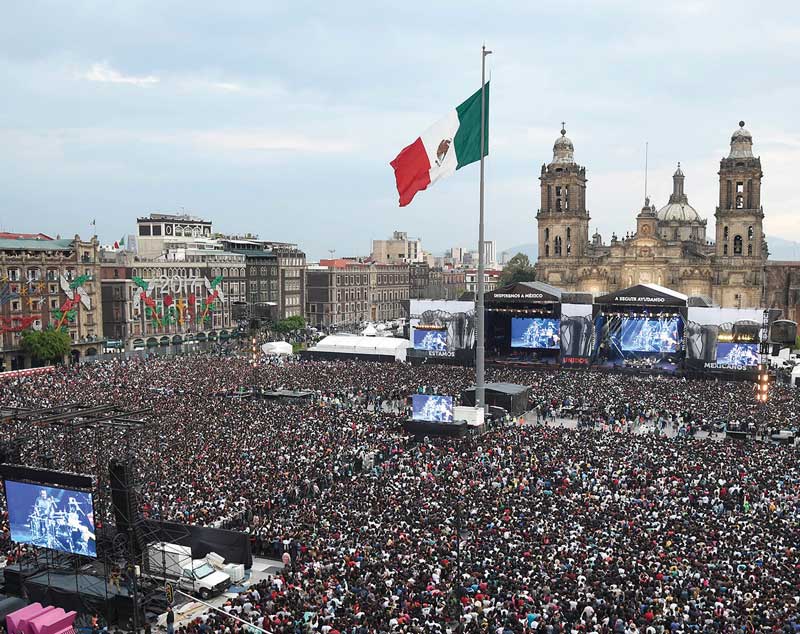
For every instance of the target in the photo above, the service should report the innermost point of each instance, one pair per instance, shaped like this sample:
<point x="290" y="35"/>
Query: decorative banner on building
<point x="76" y="295"/>
<point x="179" y="303"/>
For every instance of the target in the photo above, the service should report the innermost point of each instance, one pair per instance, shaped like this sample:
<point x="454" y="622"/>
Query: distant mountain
<point x="780" y="249"/>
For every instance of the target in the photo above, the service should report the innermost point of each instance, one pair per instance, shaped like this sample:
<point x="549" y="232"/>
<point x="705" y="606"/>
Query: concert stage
<point x="420" y="428"/>
<point x="81" y="591"/>
<point x="511" y="397"/>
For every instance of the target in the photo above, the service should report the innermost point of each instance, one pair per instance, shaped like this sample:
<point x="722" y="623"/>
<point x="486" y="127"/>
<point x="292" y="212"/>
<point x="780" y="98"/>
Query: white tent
<point x="382" y="346"/>
<point x="795" y="380"/>
<point x="370" y="331"/>
<point x="277" y="347"/>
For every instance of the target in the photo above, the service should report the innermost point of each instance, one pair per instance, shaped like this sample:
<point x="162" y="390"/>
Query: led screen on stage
<point x="739" y="355"/>
<point x="430" y="339"/>
<point x="432" y="408"/>
<point x="643" y="334"/>
<point x="51" y="517"/>
<point x="535" y="332"/>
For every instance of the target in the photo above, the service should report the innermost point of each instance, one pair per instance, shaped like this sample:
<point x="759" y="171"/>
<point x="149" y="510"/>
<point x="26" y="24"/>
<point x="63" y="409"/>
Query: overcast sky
<point x="281" y="118"/>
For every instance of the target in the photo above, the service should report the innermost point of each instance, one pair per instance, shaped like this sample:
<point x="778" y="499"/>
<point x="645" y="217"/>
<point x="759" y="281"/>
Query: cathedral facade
<point x="670" y="246"/>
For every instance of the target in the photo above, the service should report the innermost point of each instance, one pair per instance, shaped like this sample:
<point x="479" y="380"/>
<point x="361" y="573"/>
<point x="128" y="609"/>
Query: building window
<point x="750" y="232"/>
<point x="749" y="249"/>
<point x="725" y="233"/>
<point x="724" y="249"/>
<point x="557" y="248"/>
<point x="144" y="230"/>
<point x="569" y="234"/>
<point x="737" y="245"/>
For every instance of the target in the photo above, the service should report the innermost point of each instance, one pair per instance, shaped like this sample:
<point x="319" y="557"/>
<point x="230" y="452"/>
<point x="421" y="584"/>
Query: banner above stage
<point x="525" y="293"/>
<point x="644" y="295"/>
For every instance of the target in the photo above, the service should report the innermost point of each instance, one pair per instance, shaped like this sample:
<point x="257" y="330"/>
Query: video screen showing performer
<point x="650" y="335"/>
<point x="430" y="339"/>
<point x="738" y="355"/>
<point x="433" y="408"/>
<point x="51" y="517"/>
<point x="537" y="333"/>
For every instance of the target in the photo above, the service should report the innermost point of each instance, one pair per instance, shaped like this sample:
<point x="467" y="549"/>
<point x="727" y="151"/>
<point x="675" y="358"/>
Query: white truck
<point x="172" y="562"/>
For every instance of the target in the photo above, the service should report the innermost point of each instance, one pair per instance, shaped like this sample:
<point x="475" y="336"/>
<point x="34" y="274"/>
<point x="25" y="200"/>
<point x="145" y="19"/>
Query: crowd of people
<point x="527" y="527"/>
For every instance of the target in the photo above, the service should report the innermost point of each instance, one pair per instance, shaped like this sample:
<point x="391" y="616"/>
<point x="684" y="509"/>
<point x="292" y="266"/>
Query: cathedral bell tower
<point x="740" y="250"/>
<point x="739" y="215"/>
<point x="563" y="221"/>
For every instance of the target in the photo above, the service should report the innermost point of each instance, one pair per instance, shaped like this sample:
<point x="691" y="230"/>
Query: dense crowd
<point x="528" y="527"/>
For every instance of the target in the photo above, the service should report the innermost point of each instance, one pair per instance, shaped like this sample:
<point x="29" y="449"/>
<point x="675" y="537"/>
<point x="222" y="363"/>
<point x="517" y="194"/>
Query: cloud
<point x="104" y="73"/>
<point x="267" y="141"/>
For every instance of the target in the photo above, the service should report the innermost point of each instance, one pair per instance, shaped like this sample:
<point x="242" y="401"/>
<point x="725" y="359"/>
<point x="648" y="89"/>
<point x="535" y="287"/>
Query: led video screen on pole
<point x="535" y="332"/>
<point x="433" y="408"/>
<point x="642" y="334"/>
<point x="430" y="339"/>
<point x="738" y="355"/>
<point x="51" y="517"/>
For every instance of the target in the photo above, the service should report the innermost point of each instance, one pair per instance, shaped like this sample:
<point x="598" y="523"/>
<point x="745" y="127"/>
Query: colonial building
<point x="344" y="292"/>
<point x="275" y="274"/>
<point x="669" y="246"/>
<point x="49" y="283"/>
<point x="179" y="298"/>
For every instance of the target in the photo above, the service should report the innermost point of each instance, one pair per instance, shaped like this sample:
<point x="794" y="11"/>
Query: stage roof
<point x="644" y="295"/>
<point x="525" y="292"/>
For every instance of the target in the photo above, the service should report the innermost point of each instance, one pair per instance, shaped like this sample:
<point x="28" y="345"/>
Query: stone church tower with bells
<point x="669" y="246"/>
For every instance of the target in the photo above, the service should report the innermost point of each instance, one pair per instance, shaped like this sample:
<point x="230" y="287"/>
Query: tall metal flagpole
<point x="480" y="388"/>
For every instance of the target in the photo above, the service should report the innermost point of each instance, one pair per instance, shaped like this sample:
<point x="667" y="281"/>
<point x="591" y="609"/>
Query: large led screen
<point x="51" y="517"/>
<point x="430" y="339"/>
<point x="535" y="332"/>
<point x="434" y="408"/>
<point x="739" y="355"/>
<point x="642" y="334"/>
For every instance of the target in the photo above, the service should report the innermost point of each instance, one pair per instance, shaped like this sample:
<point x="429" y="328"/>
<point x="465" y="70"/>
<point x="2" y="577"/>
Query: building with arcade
<point x="670" y="246"/>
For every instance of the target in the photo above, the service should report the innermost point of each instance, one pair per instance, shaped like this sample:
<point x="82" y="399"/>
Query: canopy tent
<point x="277" y="347"/>
<point x="370" y="331"/>
<point x="377" y="346"/>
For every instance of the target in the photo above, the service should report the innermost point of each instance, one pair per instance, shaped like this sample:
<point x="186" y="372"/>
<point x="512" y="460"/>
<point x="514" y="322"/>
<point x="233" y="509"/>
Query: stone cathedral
<point x="670" y="246"/>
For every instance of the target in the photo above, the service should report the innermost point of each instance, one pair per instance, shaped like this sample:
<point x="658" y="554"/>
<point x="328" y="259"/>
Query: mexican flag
<point x="448" y="145"/>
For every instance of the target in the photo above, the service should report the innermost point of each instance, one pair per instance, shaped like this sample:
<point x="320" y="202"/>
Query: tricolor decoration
<point x="448" y="145"/>
<point x="76" y="295"/>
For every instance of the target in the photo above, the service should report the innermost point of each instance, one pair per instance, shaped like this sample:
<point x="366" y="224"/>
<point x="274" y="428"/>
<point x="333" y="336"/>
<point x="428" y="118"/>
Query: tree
<point x="518" y="269"/>
<point x="46" y="345"/>
<point x="290" y="324"/>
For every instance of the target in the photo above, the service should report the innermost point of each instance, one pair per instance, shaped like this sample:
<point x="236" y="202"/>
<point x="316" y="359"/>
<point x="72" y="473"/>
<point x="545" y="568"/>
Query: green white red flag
<point x="448" y="145"/>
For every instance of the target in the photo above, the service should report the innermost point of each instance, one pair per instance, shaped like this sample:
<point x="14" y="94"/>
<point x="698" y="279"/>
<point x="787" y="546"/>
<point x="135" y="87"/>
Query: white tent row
<point x="277" y="347"/>
<point x="383" y="346"/>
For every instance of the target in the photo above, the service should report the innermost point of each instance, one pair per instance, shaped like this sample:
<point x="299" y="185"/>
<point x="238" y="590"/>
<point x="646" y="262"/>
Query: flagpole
<point x="480" y="388"/>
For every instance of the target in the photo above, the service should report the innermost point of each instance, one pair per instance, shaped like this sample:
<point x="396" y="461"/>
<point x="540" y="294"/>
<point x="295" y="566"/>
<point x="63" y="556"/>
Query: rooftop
<point x="173" y="218"/>
<point x="34" y="244"/>
<point x="23" y="236"/>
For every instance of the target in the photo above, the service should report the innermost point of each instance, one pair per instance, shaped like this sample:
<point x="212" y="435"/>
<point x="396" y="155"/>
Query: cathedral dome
<point x="563" y="150"/>
<point x="678" y="208"/>
<point x="682" y="212"/>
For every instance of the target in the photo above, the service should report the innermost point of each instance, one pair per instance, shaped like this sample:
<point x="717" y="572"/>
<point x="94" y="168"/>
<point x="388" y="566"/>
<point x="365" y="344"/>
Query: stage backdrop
<point x="577" y="330"/>
<point x="441" y="327"/>
<point x="725" y="338"/>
